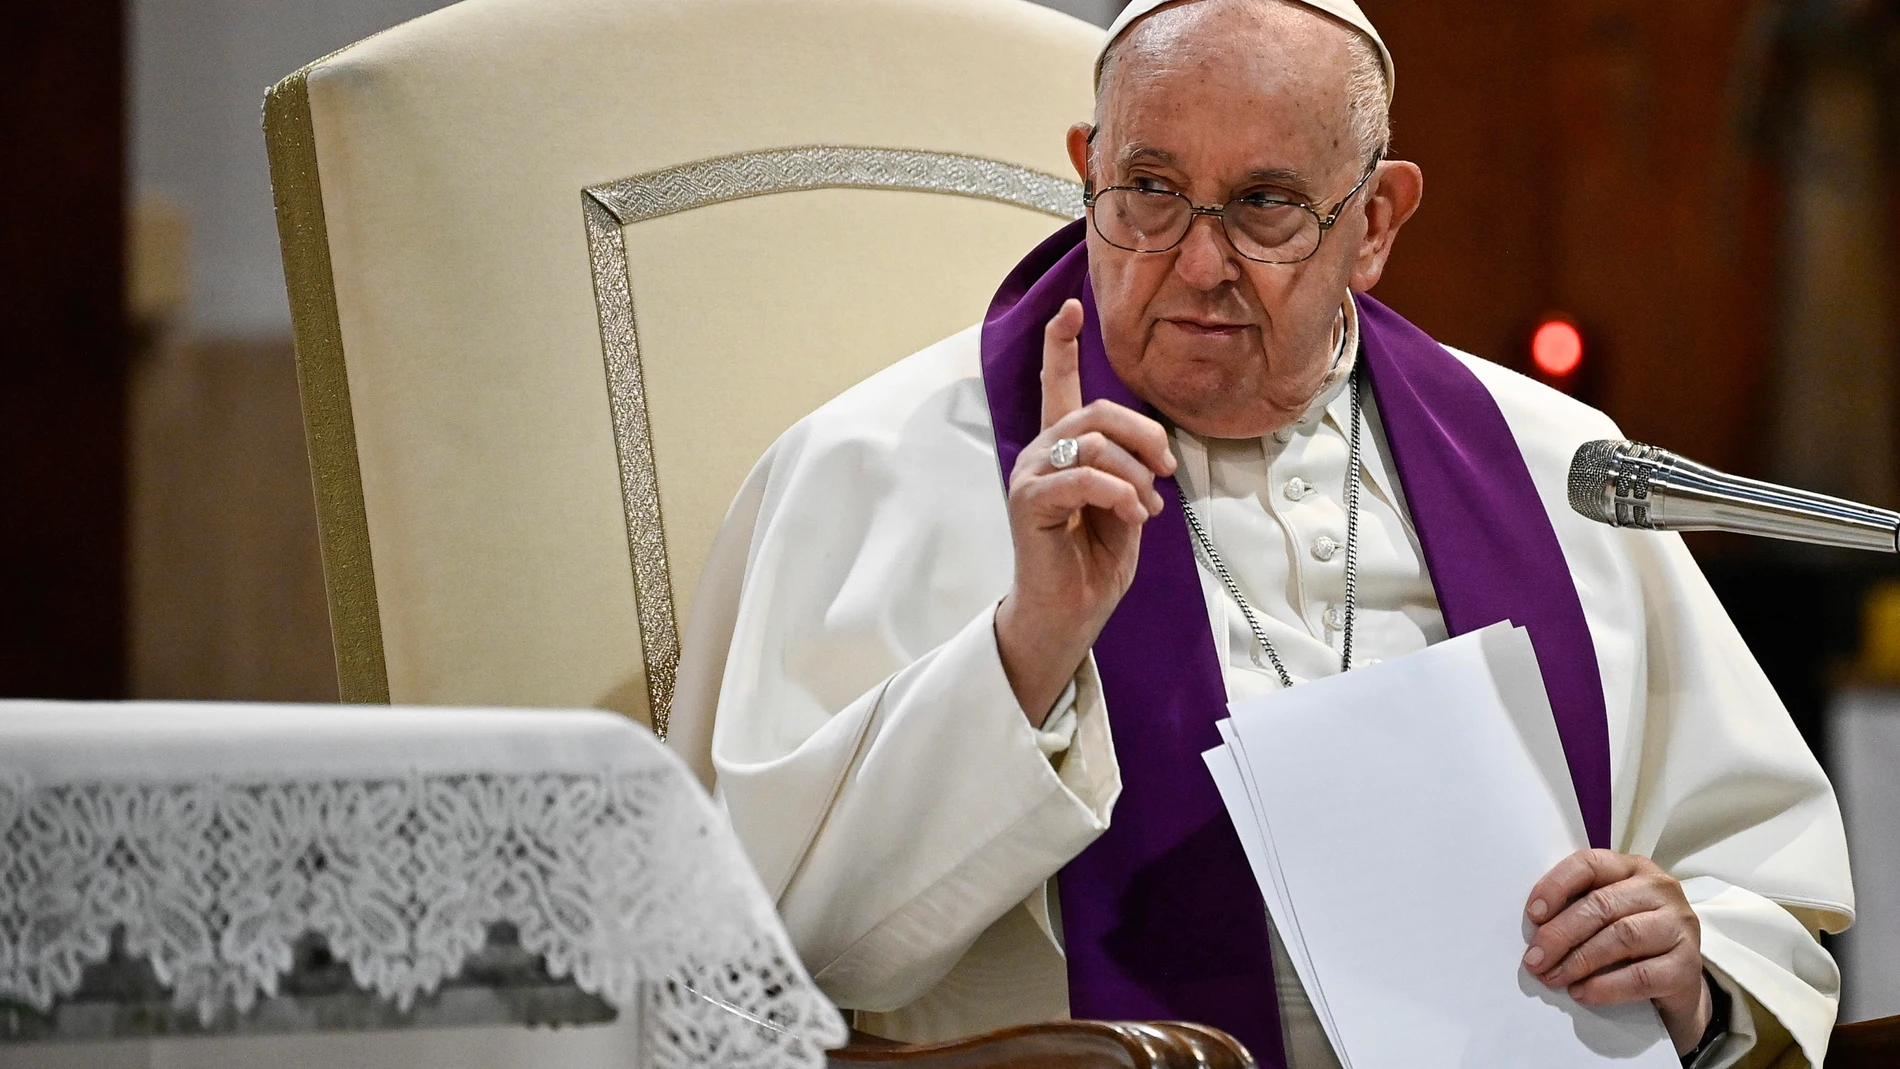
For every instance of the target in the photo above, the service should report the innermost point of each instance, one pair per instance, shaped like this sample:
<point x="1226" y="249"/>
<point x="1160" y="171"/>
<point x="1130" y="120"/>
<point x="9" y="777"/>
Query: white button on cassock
<point x="1297" y="489"/>
<point x="1324" y="548"/>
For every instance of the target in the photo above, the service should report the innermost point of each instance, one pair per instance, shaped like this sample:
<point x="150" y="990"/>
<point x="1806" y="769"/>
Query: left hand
<point x="1617" y="928"/>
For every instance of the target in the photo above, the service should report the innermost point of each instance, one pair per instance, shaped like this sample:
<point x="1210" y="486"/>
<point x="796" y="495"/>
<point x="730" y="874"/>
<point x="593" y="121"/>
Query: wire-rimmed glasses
<point x="1270" y="230"/>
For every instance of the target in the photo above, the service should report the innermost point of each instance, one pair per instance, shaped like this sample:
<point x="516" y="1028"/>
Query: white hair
<point x="1369" y="115"/>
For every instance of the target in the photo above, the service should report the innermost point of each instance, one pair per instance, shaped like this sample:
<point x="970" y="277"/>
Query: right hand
<point x="1077" y="531"/>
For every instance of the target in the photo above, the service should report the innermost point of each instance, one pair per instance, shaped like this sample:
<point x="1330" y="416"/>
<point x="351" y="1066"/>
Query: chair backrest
<point x="561" y="270"/>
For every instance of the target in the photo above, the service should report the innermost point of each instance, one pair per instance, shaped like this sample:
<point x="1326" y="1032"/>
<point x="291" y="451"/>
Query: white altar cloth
<point x="217" y="835"/>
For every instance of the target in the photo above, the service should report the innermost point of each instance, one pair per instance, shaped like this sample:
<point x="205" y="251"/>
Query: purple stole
<point x="1162" y="919"/>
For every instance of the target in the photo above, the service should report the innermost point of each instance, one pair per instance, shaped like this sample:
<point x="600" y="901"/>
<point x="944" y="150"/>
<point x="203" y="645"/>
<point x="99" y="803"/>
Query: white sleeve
<point x="1058" y="728"/>
<point x="946" y="813"/>
<point x="866" y="745"/>
<point x="1763" y="956"/>
<point x="1730" y="800"/>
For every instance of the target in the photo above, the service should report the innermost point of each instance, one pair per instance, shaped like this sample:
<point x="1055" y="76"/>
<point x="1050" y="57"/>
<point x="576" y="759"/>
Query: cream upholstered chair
<point x="560" y="270"/>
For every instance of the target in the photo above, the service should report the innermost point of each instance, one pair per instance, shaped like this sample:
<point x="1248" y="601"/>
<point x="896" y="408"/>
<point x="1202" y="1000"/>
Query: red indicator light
<point x="1557" y="348"/>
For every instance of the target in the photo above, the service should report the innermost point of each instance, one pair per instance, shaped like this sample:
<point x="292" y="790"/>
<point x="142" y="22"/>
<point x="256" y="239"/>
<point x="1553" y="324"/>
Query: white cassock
<point x="842" y="692"/>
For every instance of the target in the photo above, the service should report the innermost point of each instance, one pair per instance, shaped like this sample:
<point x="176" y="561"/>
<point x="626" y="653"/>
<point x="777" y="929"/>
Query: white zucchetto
<point x="1345" y="11"/>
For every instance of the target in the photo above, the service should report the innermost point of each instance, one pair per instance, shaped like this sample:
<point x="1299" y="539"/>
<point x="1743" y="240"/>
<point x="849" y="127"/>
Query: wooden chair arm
<point x="1060" y="1045"/>
<point x="1865" y="1045"/>
<point x="1179" y="1045"/>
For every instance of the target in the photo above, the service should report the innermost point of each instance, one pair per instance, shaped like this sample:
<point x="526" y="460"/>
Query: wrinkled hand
<point x="1077" y="531"/>
<point x="1617" y="928"/>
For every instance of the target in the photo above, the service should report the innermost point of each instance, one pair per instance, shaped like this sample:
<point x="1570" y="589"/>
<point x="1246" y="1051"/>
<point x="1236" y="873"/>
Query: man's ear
<point x="1393" y="196"/>
<point x="1079" y="135"/>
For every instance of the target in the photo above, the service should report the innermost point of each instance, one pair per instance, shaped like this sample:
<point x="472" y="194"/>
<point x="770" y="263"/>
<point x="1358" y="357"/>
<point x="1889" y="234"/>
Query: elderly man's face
<point x="1220" y="99"/>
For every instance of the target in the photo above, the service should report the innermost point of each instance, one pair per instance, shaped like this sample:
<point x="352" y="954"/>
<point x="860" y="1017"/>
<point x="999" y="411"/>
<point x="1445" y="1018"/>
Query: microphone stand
<point x="1657" y="489"/>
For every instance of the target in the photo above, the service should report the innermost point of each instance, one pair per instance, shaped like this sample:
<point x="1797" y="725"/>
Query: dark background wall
<point x="62" y="350"/>
<point x="1581" y="156"/>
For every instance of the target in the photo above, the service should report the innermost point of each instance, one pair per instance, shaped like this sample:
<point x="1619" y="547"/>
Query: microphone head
<point x="1612" y="482"/>
<point x="1593" y="480"/>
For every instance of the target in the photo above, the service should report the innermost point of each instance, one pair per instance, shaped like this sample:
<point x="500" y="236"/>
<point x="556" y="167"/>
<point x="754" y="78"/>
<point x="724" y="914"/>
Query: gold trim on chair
<point x="609" y="208"/>
<point x="329" y="427"/>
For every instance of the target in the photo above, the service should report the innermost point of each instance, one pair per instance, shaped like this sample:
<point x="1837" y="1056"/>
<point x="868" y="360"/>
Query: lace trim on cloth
<point x="625" y="881"/>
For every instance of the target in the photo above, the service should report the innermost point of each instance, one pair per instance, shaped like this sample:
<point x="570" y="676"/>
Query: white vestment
<point x="842" y="692"/>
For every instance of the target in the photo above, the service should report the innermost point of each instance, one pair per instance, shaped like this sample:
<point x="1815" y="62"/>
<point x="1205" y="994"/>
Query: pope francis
<point x="969" y="626"/>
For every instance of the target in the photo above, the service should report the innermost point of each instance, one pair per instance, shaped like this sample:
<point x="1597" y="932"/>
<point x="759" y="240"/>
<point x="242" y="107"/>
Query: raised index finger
<point x="1061" y="378"/>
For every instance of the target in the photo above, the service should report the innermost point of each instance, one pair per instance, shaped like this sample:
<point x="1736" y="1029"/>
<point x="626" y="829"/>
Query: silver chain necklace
<point x="1353" y="478"/>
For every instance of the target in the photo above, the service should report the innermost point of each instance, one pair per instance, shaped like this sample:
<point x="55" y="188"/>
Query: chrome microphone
<point x="1629" y="484"/>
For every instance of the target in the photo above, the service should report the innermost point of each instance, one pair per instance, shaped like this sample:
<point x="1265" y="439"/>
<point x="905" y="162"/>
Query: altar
<point x="212" y="884"/>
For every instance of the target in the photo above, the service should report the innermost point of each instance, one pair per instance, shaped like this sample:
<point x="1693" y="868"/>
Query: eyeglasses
<point x="1265" y="229"/>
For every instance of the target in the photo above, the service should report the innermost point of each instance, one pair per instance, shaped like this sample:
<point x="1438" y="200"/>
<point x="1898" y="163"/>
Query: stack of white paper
<point x="1397" y="817"/>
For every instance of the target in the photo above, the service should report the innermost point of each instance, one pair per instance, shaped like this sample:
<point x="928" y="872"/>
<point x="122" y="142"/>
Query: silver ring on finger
<point x="1064" y="453"/>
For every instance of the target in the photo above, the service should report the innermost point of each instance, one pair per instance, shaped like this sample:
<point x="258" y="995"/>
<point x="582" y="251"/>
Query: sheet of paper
<point x="1401" y="814"/>
<point x="1266" y="867"/>
<point x="1235" y="793"/>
